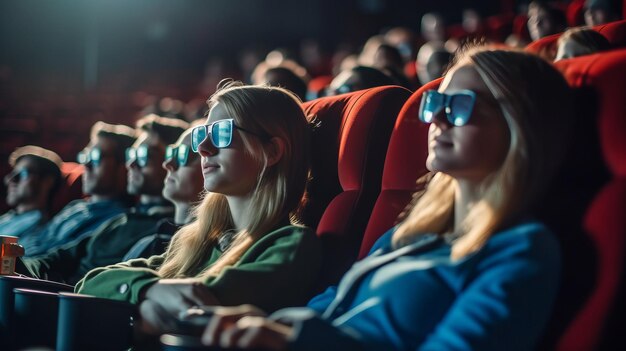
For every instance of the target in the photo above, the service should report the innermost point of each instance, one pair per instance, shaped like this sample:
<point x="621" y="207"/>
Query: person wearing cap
<point x="31" y="185"/>
<point x="111" y="241"/>
<point x="103" y="180"/>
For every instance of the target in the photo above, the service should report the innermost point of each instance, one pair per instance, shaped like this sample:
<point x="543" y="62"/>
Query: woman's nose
<point x="206" y="148"/>
<point x="440" y="119"/>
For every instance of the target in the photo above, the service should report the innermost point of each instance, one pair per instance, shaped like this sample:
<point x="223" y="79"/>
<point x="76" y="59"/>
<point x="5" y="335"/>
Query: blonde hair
<point x="539" y="134"/>
<point x="280" y="188"/>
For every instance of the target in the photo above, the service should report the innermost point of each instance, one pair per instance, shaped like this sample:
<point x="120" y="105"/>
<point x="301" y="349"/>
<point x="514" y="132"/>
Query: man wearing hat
<point x="31" y="185"/>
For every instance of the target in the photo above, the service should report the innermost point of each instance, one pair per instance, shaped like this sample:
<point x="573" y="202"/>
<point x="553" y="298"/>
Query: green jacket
<point x="107" y="245"/>
<point x="279" y="270"/>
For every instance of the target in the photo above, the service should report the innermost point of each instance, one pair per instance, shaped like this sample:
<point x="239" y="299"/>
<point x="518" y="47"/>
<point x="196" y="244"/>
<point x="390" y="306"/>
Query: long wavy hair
<point x="280" y="189"/>
<point x="536" y="102"/>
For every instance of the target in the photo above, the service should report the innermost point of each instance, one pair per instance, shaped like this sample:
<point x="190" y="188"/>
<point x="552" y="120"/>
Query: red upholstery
<point x="404" y="164"/>
<point x="71" y="186"/>
<point x="575" y="13"/>
<point x="615" y="32"/>
<point x="604" y="220"/>
<point x="349" y="149"/>
<point x="317" y="86"/>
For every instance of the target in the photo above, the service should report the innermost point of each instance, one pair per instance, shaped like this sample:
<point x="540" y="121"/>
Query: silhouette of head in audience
<point x="34" y="179"/>
<point x="254" y="151"/>
<point x="580" y="41"/>
<point x="358" y="78"/>
<point x="432" y="61"/>
<point x="544" y="20"/>
<point x="103" y="158"/>
<point x="144" y="159"/>
<point x="283" y="76"/>
<point x="433" y="27"/>
<point x="601" y="11"/>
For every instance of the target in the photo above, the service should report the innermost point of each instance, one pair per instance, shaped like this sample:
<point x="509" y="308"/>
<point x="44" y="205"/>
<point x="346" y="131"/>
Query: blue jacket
<point x="75" y="221"/>
<point x="417" y="298"/>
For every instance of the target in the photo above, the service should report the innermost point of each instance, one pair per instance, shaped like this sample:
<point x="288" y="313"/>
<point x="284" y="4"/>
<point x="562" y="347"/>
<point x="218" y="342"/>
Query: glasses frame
<point x="208" y="133"/>
<point x="138" y="155"/>
<point x="448" y="106"/>
<point x="178" y="154"/>
<point x="19" y="175"/>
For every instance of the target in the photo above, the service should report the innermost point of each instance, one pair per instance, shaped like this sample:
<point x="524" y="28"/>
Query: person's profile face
<point x="478" y="148"/>
<point x="540" y="24"/>
<point x="100" y="177"/>
<point x="22" y="183"/>
<point x="596" y="16"/>
<point x="233" y="170"/>
<point x="147" y="179"/>
<point x="184" y="180"/>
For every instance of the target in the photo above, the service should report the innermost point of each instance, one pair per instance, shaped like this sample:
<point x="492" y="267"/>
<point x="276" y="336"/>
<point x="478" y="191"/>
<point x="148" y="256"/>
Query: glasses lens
<point x="23" y="174"/>
<point x="169" y="153"/>
<point x="142" y="155"/>
<point x="82" y="158"/>
<point x="183" y="155"/>
<point x="198" y="134"/>
<point x="95" y="155"/>
<point x="431" y="104"/>
<point x="222" y="133"/>
<point x="461" y="106"/>
<point x="131" y="154"/>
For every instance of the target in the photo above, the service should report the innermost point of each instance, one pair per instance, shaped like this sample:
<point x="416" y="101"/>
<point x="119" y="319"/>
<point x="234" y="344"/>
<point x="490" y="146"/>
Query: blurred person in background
<point x="433" y="27"/>
<point x="288" y="75"/>
<point x="602" y="11"/>
<point x="544" y="20"/>
<point x="580" y="41"/>
<point x="432" y="60"/>
<point x="34" y="180"/>
<point x="103" y="180"/>
<point x="359" y="78"/>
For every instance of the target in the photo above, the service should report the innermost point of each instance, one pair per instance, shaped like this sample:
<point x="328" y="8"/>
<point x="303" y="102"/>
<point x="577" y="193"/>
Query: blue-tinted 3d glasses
<point x="220" y="133"/>
<point x="458" y="107"/>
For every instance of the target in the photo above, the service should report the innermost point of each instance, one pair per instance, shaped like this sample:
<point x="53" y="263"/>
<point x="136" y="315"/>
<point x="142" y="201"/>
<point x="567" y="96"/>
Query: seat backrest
<point x="614" y="32"/>
<point x="349" y="148"/>
<point x="71" y="186"/>
<point x="599" y="319"/>
<point x="404" y="164"/>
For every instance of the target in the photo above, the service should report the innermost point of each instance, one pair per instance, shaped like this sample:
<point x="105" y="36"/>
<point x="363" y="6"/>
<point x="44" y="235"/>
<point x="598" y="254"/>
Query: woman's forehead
<point x="217" y="112"/>
<point x="464" y="77"/>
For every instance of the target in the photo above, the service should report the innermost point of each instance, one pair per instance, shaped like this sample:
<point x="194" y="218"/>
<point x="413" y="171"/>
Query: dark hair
<point x="557" y="15"/>
<point x="288" y="79"/>
<point x="373" y="77"/>
<point x="122" y="136"/>
<point x="587" y="37"/>
<point x="167" y="129"/>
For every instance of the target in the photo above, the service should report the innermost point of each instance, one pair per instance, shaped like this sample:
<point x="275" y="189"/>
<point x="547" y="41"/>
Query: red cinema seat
<point x="404" y="164"/>
<point x="615" y="32"/>
<point x="71" y="186"/>
<point x="599" y="322"/>
<point x="348" y="154"/>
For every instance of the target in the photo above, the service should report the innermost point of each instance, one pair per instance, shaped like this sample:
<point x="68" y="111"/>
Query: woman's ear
<point x="275" y="149"/>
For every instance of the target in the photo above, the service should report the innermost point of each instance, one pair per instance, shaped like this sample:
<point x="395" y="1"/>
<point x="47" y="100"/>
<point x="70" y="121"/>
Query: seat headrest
<point x="606" y="74"/>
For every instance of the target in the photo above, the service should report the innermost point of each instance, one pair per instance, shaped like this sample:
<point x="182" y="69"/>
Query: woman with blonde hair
<point x="245" y="245"/>
<point x="468" y="268"/>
